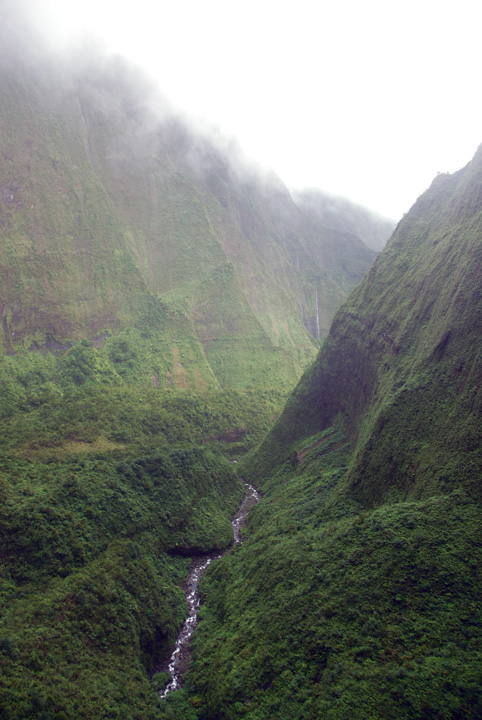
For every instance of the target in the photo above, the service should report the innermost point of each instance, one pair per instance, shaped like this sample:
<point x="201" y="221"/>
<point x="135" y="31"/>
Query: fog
<point x="367" y="101"/>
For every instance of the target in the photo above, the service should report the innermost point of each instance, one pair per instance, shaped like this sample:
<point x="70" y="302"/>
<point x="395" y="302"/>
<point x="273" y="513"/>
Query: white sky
<point x="368" y="99"/>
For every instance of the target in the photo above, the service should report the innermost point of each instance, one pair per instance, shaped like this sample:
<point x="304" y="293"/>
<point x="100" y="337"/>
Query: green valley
<point x="159" y="301"/>
<point x="175" y="321"/>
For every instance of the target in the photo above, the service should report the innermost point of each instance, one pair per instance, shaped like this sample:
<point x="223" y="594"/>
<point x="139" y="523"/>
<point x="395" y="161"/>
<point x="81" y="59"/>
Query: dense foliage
<point x="42" y="417"/>
<point x="331" y="610"/>
<point x="157" y="305"/>
<point x="107" y="490"/>
<point x="89" y="581"/>
<point x="356" y="593"/>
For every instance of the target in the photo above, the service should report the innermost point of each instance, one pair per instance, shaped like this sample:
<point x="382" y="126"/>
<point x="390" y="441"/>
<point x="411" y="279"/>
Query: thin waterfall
<point x="317" y="317"/>
<point x="89" y="152"/>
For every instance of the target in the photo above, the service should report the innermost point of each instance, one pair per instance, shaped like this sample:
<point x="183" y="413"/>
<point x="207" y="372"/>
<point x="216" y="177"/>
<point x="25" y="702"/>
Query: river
<point x="179" y="659"/>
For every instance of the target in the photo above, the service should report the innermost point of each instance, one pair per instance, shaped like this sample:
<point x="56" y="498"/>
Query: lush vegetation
<point x="158" y="303"/>
<point x="401" y="370"/>
<point x="330" y="610"/>
<point x="356" y="592"/>
<point x="92" y="407"/>
<point x="107" y="490"/>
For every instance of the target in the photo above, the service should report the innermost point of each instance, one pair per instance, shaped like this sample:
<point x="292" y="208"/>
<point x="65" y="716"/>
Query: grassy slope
<point x="355" y="594"/>
<point x="48" y="195"/>
<point x="188" y="234"/>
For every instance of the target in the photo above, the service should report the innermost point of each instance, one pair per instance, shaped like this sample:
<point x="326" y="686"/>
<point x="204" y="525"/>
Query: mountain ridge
<point x="401" y="330"/>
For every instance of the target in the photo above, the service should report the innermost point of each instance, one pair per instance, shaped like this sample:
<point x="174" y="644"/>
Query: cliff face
<point x="401" y="367"/>
<point x="112" y="207"/>
<point x="66" y="262"/>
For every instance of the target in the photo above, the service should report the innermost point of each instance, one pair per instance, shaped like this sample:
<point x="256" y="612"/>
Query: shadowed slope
<point x="401" y="367"/>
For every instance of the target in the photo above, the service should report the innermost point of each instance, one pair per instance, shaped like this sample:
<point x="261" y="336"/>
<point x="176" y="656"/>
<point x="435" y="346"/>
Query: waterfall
<point x="317" y="317"/>
<point x="89" y="152"/>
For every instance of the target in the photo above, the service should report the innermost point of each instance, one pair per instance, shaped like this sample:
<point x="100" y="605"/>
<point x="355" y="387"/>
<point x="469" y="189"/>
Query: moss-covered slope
<point x="109" y="203"/>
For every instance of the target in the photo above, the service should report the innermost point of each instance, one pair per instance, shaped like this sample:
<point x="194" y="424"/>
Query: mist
<point x="325" y="98"/>
<point x="146" y="136"/>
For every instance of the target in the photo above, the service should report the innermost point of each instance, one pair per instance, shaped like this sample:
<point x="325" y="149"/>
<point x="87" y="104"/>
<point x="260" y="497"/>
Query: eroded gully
<point x="177" y="664"/>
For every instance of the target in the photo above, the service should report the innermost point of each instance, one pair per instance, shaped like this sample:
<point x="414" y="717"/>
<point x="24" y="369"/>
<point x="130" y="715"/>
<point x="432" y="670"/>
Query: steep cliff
<point x="110" y="203"/>
<point x="401" y="368"/>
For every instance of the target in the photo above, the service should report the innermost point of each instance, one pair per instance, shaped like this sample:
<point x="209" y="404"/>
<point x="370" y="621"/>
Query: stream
<point x="178" y="662"/>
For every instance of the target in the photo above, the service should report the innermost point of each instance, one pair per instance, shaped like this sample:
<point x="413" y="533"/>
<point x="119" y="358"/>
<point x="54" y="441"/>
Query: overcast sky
<point x="365" y="99"/>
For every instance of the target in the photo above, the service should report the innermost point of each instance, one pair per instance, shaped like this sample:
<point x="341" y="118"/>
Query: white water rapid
<point x="179" y="658"/>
